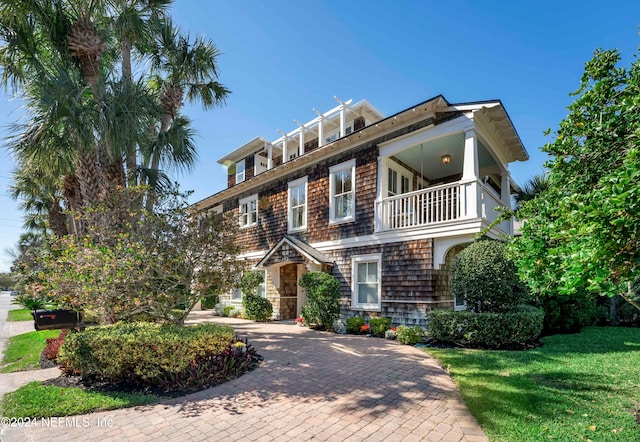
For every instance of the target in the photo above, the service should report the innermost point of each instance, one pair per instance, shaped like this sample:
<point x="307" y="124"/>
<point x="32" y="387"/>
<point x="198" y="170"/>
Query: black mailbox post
<point x="56" y="319"/>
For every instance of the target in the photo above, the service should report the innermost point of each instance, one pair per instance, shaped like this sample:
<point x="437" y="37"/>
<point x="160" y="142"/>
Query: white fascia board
<point x="466" y="107"/>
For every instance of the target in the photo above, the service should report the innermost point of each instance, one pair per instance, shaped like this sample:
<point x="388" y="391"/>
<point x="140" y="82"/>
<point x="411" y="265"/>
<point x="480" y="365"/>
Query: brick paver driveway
<point x="311" y="385"/>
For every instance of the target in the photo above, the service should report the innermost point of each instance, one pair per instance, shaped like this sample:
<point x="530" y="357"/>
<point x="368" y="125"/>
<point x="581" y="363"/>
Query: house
<point x="382" y="203"/>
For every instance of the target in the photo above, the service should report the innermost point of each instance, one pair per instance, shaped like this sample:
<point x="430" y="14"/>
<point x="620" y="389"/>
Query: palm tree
<point x="181" y="68"/>
<point x="532" y="188"/>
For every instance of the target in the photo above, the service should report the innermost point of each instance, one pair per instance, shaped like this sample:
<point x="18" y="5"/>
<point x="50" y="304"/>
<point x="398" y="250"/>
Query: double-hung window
<point x="366" y="281"/>
<point x="342" y="192"/>
<point x="297" y="202"/>
<point x="248" y="208"/>
<point x="240" y="171"/>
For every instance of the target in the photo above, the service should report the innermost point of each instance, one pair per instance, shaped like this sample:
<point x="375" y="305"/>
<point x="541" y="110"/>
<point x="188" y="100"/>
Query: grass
<point x="23" y="351"/>
<point x="23" y="314"/>
<point x="35" y="400"/>
<point x="575" y="387"/>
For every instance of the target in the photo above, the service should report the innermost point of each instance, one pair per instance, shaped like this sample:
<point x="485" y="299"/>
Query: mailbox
<point x="56" y="319"/>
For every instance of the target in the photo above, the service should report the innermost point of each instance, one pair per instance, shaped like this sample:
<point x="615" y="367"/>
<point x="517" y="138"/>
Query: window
<point x="460" y="303"/>
<point x="366" y="270"/>
<point x="342" y="192"/>
<point x="248" y="208"/>
<point x="298" y="204"/>
<point x="397" y="182"/>
<point x="240" y="171"/>
<point x="262" y="288"/>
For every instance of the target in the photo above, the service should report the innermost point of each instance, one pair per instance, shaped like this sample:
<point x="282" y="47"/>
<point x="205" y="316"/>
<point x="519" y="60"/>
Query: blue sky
<point x="283" y="58"/>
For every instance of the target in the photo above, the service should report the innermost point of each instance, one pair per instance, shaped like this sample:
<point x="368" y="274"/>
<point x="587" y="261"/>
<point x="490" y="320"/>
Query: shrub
<point x="390" y="334"/>
<point x="339" y="327"/>
<point x="227" y="309"/>
<point x="486" y="278"/>
<point x="517" y="328"/>
<point x="323" y="299"/>
<point x="379" y="326"/>
<point x="354" y="323"/>
<point x="31" y="301"/>
<point x="257" y="308"/>
<point x="410" y="335"/>
<point x="568" y="313"/>
<point x="53" y="345"/>
<point x="152" y="355"/>
<point x="209" y="302"/>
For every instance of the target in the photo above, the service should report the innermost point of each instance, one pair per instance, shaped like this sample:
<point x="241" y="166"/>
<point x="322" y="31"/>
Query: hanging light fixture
<point x="446" y="159"/>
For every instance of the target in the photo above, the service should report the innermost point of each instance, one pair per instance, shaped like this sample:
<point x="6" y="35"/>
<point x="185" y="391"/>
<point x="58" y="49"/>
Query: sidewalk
<point x="12" y="381"/>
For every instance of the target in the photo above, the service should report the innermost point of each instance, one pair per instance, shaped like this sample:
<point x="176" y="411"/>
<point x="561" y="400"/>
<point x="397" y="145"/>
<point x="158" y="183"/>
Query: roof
<point x="301" y="247"/>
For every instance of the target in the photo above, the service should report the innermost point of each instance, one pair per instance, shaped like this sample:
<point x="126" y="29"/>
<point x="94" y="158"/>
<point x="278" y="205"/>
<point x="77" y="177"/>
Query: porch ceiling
<point x="426" y="158"/>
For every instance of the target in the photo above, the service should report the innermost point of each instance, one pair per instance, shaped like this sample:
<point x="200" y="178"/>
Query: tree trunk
<point x="57" y="220"/>
<point x="614" y="317"/>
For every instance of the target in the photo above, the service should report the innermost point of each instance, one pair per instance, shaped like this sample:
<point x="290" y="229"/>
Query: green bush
<point x="517" y="328"/>
<point x="354" y="323"/>
<point x="209" y="302"/>
<point x="486" y="278"/>
<point x="410" y="335"/>
<point x="379" y="326"/>
<point x="31" y="302"/>
<point x="145" y="354"/>
<point x="323" y="299"/>
<point x="257" y="308"/>
<point x="569" y="313"/>
<point x="227" y="309"/>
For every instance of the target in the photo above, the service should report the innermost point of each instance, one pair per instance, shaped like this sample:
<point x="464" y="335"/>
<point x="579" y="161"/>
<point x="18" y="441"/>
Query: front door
<point x="289" y="291"/>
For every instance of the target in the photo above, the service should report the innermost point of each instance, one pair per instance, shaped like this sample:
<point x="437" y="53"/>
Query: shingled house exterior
<point x="383" y="204"/>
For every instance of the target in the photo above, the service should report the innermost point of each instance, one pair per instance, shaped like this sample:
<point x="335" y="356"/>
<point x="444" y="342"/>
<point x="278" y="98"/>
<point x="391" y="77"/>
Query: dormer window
<point x="240" y="171"/>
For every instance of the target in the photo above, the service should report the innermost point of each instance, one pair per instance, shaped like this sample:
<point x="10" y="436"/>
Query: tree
<point x="153" y="264"/>
<point x="71" y="63"/>
<point x="531" y="189"/>
<point x="583" y="230"/>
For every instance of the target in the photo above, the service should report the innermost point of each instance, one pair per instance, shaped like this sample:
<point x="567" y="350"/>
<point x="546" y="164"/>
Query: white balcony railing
<point x="421" y="207"/>
<point x="440" y="204"/>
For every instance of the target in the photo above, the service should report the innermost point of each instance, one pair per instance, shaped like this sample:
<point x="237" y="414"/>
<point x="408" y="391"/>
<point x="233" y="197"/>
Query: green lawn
<point x="23" y="351"/>
<point x="36" y="400"/>
<point x="575" y="387"/>
<point x="23" y="314"/>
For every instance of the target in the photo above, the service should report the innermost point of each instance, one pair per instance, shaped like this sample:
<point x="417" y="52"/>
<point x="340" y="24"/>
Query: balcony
<point x="440" y="205"/>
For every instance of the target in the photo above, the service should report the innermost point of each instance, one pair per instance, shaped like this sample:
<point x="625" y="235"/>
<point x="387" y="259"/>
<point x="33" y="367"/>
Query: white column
<point x="470" y="173"/>
<point x="470" y="165"/>
<point x="285" y="150"/>
<point x="505" y="188"/>
<point x="269" y="156"/>
<point x="320" y="127"/>
<point x="301" y="140"/>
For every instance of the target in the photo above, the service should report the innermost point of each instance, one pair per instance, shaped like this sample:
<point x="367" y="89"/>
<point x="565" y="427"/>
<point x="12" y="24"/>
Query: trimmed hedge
<point x="519" y="327"/>
<point x="354" y="323"/>
<point x="168" y="357"/>
<point x="379" y="326"/>
<point x="257" y="308"/>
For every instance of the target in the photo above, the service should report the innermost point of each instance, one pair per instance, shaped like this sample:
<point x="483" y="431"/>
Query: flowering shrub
<point x="410" y="335"/>
<point x="390" y="334"/>
<point x="299" y="319"/>
<point x="365" y="328"/>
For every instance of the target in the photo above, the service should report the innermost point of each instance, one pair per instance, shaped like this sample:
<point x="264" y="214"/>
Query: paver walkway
<point x="311" y="385"/>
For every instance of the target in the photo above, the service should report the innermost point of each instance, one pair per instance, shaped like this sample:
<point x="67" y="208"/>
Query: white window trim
<point x="247" y="201"/>
<point x="293" y="184"/>
<point x="457" y="307"/>
<point x="351" y="164"/>
<point x="244" y="171"/>
<point x="354" y="282"/>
